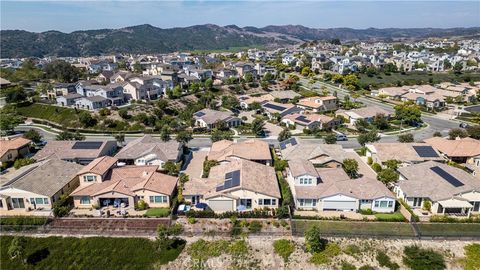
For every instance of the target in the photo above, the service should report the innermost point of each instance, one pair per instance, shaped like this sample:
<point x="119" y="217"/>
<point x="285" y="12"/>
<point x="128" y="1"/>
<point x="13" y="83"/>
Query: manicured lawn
<point x="158" y="212"/>
<point x="396" y="216"/>
<point x="63" y="116"/>
<point x="88" y="253"/>
<point x="449" y="229"/>
<point x="382" y="80"/>
<point x="354" y="228"/>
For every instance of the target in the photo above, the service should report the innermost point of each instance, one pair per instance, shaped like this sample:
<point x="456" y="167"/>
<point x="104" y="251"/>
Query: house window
<point x="18" y="203"/>
<point x="307" y="202"/>
<point x="383" y="204"/>
<point x="305" y="181"/>
<point x="85" y="200"/>
<point x="247" y="203"/>
<point x="39" y="200"/>
<point x="377" y="203"/>
<point x="390" y="204"/>
<point x="158" y="199"/>
<point x="1" y="203"/>
<point x="89" y="178"/>
<point x="271" y="202"/>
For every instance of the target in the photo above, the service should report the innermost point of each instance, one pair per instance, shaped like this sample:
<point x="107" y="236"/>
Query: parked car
<point x="464" y="125"/>
<point x="341" y="137"/>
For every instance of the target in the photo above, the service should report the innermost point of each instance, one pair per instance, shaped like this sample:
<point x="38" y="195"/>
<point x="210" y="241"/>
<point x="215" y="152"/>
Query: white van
<point x="341" y="137"/>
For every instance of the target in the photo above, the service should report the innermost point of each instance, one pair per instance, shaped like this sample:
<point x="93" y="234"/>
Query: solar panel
<point x="274" y="107"/>
<point x="227" y="184"/>
<point x="87" y="145"/>
<point x="425" y="151"/>
<point x="447" y="177"/>
<point x="302" y="118"/>
<point x="293" y="141"/>
<point x="199" y="114"/>
<point x="219" y="188"/>
<point x="228" y="175"/>
<point x="282" y="146"/>
<point x="235" y="178"/>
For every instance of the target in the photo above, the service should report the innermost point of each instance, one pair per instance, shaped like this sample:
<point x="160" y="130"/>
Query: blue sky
<point x="68" y="16"/>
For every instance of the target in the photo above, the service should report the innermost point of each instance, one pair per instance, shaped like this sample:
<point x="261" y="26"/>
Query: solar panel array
<point x="302" y="118"/>
<point x="285" y="143"/>
<point x="232" y="179"/>
<point x="425" y="151"/>
<point x="199" y="114"/>
<point x="87" y="145"/>
<point x="447" y="177"/>
<point x="274" y="107"/>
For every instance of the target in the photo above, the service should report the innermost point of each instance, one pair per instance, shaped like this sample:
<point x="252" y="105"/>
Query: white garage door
<point x="221" y="205"/>
<point x="339" y="205"/>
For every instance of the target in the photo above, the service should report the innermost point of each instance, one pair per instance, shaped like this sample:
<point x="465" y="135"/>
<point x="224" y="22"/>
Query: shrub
<point x="192" y="220"/>
<point x="370" y="161"/>
<point x="385" y="261"/>
<point x="367" y="211"/>
<point x="63" y="206"/>
<point x="353" y="250"/>
<point x="275" y="224"/>
<point x="255" y="226"/>
<point x="376" y="167"/>
<point x="427" y="205"/>
<point x="283" y="223"/>
<point x="141" y="205"/>
<point x="418" y="258"/>
<point x="282" y="212"/>
<point x="366" y="267"/>
<point x="284" y="248"/>
<point x="348" y="266"/>
<point x="23" y="162"/>
<point x="325" y="256"/>
<point x="472" y="257"/>
<point x="207" y="165"/>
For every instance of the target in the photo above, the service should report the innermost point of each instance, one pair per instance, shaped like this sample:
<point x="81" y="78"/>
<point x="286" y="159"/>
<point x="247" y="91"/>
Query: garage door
<point x="221" y="205"/>
<point x="339" y="205"/>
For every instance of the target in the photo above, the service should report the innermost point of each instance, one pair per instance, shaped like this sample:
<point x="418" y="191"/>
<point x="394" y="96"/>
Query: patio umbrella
<point x="241" y="207"/>
<point x="201" y="205"/>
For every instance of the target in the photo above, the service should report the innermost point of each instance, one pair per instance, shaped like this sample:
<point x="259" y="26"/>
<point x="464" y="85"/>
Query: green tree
<point x="33" y="135"/>
<point x="284" y="134"/>
<point x="87" y="120"/>
<point x="137" y="68"/>
<point x="184" y="136"/>
<point x="408" y="112"/>
<point x="15" y="94"/>
<point x="257" y="127"/>
<point x="168" y="235"/>
<point x="20" y="162"/>
<point x="330" y="139"/>
<point x="43" y="88"/>
<point x="474" y="132"/>
<point x="387" y="176"/>
<point x="314" y="243"/>
<point x="350" y="166"/>
<point x="208" y="84"/>
<point x="8" y="121"/>
<point x="457" y="132"/>
<point x="218" y="135"/>
<point x="351" y="82"/>
<point x="306" y="71"/>
<point x="61" y="71"/>
<point x="165" y="134"/>
<point x="380" y="121"/>
<point x="392" y="164"/>
<point x="417" y="258"/>
<point x="371" y="136"/>
<point x="406" y="138"/>
<point x="248" y="77"/>
<point x="171" y="168"/>
<point x="120" y="137"/>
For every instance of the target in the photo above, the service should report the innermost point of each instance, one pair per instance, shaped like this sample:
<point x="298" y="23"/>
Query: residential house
<point x="238" y="185"/>
<point x="330" y="189"/>
<point x="148" y="150"/>
<point x="91" y="103"/>
<point x="449" y="189"/>
<point x="365" y="113"/>
<point x="309" y="121"/>
<point x="281" y="109"/>
<point x="81" y="152"/>
<point x="244" y="68"/>
<point x="61" y="89"/>
<point x="103" y="183"/>
<point x="35" y="187"/>
<point x="463" y="151"/>
<point x="254" y="150"/>
<point x="121" y="76"/>
<point x="318" y="104"/>
<point x="68" y="100"/>
<point x="285" y="95"/>
<point x="105" y="76"/>
<point x="208" y="118"/>
<point x="13" y="148"/>
<point x="246" y="101"/>
<point x="405" y="153"/>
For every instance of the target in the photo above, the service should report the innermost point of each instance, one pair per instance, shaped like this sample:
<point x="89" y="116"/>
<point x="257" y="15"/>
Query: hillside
<point x="150" y="39"/>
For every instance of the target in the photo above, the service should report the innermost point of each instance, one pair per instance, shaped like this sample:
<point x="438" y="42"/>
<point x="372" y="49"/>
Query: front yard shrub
<point x="367" y="211"/>
<point x="256" y="213"/>
<point x="63" y="206"/>
<point x="141" y="205"/>
<point x="23" y="162"/>
<point x="255" y="226"/>
<point x="284" y="248"/>
<point x="419" y="258"/>
<point x="376" y="167"/>
<point x="314" y="241"/>
<point x="353" y="250"/>
<point x="385" y="261"/>
<point x="472" y="257"/>
<point x="282" y="212"/>
<point x="192" y="220"/>
<point x="370" y="161"/>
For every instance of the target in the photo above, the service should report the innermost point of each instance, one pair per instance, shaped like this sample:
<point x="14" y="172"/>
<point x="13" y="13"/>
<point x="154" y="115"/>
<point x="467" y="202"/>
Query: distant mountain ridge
<point x="149" y="39"/>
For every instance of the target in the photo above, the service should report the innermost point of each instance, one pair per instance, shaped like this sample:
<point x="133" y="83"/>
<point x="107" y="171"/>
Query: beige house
<point x="465" y="150"/>
<point x="10" y="149"/>
<point x="309" y="121"/>
<point x="209" y="119"/>
<point x="255" y="150"/>
<point x="34" y="188"/>
<point x="450" y="190"/>
<point x="318" y="104"/>
<point x="239" y="185"/>
<point x="104" y="183"/>
<point x="405" y="153"/>
<point x="81" y="152"/>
